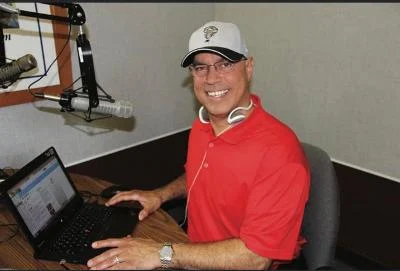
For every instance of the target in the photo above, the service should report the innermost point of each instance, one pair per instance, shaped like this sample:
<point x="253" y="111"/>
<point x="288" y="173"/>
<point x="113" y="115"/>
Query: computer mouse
<point x="131" y="204"/>
<point x="113" y="190"/>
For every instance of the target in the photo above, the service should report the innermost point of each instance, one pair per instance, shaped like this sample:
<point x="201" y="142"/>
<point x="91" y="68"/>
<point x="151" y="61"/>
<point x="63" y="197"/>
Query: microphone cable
<point x="52" y="63"/>
<point x="13" y="227"/>
<point x="87" y="114"/>
<point x="69" y="90"/>
<point x="62" y="263"/>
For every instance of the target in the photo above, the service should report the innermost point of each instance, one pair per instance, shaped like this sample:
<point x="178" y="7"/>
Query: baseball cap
<point x="221" y="38"/>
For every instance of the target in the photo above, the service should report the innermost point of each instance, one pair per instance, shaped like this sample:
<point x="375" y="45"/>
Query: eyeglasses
<point x="200" y="70"/>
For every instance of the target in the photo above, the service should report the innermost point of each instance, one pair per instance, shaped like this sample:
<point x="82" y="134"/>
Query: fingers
<point x="122" y="266"/>
<point x="111" y="242"/>
<point x="112" y="257"/>
<point x="143" y="214"/>
<point x="123" y="196"/>
<point x="131" y="253"/>
<point x="105" y="260"/>
<point x="148" y="199"/>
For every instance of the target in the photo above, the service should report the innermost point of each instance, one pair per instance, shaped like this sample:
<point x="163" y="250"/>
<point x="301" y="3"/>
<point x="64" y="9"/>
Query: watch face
<point x="166" y="252"/>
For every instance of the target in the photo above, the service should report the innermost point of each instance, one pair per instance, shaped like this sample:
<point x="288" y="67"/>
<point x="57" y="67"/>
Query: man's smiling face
<point x="220" y="93"/>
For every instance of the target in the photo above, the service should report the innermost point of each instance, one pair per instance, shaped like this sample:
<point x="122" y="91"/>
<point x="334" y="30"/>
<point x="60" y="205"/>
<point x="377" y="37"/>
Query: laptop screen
<point x="41" y="195"/>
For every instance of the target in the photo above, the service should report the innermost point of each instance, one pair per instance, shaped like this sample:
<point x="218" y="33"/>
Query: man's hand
<point x="150" y="200"/>
<point x="126" y="253"/>
<point x="136" y="253"/>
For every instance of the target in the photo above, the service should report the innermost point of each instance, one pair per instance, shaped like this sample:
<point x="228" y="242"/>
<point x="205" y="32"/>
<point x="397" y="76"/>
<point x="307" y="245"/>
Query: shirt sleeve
<point x="275" y="207"/>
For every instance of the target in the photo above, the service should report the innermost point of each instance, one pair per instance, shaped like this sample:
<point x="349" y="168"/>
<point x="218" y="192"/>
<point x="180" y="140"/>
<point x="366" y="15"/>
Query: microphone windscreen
<point x="27" y="62"/>
<point x="122" y="109"/>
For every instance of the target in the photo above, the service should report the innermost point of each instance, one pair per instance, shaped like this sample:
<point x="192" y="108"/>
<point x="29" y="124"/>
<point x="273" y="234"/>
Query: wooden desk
<point x="18" y="254"/>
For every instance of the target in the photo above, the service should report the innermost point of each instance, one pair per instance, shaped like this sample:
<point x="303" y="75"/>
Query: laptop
<point x="54" y="216"/>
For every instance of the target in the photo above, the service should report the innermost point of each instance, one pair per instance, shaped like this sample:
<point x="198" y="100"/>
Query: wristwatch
<point x="166" y="253"/>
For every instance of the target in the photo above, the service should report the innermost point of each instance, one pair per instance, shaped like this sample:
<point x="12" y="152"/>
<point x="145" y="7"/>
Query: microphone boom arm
<point x="76" y="16"/>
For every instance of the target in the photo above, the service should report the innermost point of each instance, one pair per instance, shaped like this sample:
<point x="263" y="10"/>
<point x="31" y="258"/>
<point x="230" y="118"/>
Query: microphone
<point x="122" y="109"/>
<point x="11" y="71"/>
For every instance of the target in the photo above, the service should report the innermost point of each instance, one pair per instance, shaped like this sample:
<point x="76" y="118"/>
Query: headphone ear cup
<point x="237" y="118"/>
<point x="203" y="115"/>
<point x="236" y="115"/>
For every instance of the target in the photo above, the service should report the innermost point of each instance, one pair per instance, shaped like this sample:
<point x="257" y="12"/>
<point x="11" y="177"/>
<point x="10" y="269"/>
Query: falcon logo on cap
<point x="209" y="32"/>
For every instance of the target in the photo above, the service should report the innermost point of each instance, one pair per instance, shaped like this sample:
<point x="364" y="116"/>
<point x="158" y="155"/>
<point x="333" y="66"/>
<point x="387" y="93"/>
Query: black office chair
<point x="321" y="216"/>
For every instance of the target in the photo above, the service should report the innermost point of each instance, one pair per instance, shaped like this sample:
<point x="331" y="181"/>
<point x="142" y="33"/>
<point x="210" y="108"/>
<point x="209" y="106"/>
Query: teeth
<point x="217" y="93"/>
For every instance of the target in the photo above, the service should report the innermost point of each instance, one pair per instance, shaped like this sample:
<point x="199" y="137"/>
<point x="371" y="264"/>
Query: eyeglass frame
<point x="217" y="70"/>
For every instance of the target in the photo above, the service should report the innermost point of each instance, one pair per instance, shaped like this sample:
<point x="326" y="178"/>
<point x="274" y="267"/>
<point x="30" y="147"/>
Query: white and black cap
<point x="221" y="38"/>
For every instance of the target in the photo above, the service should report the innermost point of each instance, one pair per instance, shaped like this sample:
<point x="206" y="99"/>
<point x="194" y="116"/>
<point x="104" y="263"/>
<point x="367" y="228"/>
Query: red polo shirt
<point x="252" y="183"/>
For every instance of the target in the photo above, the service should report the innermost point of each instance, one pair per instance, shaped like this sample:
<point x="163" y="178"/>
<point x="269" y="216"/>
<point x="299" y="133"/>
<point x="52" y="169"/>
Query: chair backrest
<point x="321" y="215"/>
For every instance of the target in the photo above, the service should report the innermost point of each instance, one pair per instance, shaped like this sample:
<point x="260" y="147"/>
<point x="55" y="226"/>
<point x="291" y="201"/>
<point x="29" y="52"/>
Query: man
<point x="246" y="179"/>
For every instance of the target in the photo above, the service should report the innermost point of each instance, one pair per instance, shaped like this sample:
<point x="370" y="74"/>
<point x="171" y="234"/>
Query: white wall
<point x="330" y="71"/>
<point x="137" y="49"/>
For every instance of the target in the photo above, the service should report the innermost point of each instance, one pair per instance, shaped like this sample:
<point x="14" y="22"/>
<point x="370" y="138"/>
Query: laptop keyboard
<point x="80" y="234"/>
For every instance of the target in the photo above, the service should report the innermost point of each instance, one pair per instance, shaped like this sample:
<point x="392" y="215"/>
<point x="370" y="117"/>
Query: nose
<point x="212" y="75"/>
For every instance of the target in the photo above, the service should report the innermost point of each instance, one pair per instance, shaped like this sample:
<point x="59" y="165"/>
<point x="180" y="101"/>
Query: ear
<point x="250" y="68"/>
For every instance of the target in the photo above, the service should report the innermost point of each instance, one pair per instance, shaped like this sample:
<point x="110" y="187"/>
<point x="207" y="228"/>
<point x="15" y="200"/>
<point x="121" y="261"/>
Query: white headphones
<point x="232" y="118"/>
